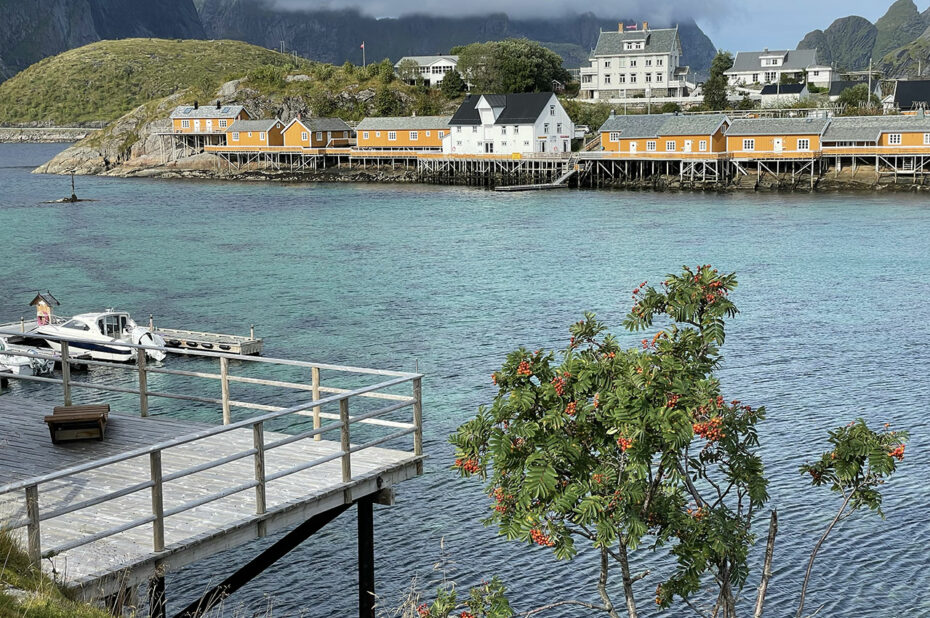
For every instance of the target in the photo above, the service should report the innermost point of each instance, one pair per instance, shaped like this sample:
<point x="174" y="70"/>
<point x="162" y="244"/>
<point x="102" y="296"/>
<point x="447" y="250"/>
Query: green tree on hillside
<point x="408" y="70"/>
<point x="513" y="65"/>
<point x="715" y="88"/>
<point x="452" y="85"/>
<point x="857" y="96"/>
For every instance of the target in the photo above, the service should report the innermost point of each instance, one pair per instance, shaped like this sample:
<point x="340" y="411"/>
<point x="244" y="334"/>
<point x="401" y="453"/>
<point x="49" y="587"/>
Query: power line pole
<point x="868" y="96"/>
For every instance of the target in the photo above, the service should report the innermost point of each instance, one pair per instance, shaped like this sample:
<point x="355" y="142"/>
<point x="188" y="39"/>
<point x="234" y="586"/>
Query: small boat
<point x="25" y="362"/>
<point x="98" y="334"/>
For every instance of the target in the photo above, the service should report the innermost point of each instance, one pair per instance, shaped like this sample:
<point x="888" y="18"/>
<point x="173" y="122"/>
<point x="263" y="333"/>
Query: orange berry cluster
<point x="494" y="378"/>
<point x="596" y="399"/>
<point x="717" y="402"/>
<point x="524" y="369"/>
<point x="672" y="400"/>
<point x="597" y="478"/>
<point x="814" y="474"/>
<point x="898" y="453"/>
<point x="698" y="514"/>
<point x="710" y="430"/>
<point x="468" y="465"/>
<point x="570" y="409"/>
<point x="623" y="443"/>
<point x="559" y="385"/>
<point x="423" y="610"/>
<point x="466" y="614"/>
<point x="501" y="498"/>
<point x="541" y="538"/>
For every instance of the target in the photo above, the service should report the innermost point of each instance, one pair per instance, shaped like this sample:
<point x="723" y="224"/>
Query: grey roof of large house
<point x="912" y="93"/>
<point x="323" y="124"/>
<point x="425" y="61"/>
<point x="870" y="128"/>
<point x="403" y="123"/>
<point x="208" y="111"/>
<point x="244" y="126"/>
<point x="797" y="59"/>
<point x="659" y="41"/>
<point x="778" y="126"/>
<point x="522" y="108"/>
<point x="638" y="126"/>
<point x="779" y="89"/>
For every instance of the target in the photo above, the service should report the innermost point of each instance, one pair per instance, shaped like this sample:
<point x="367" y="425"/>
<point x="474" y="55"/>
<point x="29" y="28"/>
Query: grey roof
<point x="870" y="128"/>
<point x="518" y="108"/>
<point x="208" y="111"/>
<point x="244" y="126"/>
<point x="660" y="125"/>
<point x="909" y="94"/>
<point x="322" y="124"/>
<point x="656" y="42"/>
<point x="837" y="87"/>
<point x="403" y="123"/>
<point x="425" y="61"/>
<point x="778" y="126"/>
<point x="751" y="62"/>
<point x="777" y="89"/>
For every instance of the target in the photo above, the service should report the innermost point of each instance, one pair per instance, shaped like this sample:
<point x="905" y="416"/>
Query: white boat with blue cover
<point x="98" y="335"/>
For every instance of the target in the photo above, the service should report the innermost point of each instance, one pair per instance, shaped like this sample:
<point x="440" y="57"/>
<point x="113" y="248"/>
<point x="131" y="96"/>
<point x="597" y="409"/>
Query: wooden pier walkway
<point x="159" y="493"/>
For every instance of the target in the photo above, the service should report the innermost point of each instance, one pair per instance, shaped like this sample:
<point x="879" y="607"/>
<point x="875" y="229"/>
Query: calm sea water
<point x="835" y="324"/>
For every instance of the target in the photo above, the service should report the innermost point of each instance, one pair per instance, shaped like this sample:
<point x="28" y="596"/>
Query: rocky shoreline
<point x="43" y="135"/>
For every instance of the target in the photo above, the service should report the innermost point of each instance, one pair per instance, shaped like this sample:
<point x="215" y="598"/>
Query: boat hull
<point x="97" y="350"/>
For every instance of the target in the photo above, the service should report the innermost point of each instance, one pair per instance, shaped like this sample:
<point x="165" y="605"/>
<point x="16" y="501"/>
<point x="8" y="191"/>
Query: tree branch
<point x="602" y="588"/>
<point x="767" y="565"/>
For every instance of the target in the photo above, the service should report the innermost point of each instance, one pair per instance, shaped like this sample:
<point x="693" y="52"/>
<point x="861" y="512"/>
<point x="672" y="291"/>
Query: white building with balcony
<point x="768" y="67"/>
<point x="431" y="68"/>
<point x="509" y="124"/>
<point x="634" y="62"/>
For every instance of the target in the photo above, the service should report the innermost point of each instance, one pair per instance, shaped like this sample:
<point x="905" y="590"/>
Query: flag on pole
<point x="363" y="45"/>
<point x="633" y="27"/>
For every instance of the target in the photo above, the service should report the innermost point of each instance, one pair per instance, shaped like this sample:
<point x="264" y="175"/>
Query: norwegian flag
<point x="631" y="27"/>
<point x="363" y="45"/>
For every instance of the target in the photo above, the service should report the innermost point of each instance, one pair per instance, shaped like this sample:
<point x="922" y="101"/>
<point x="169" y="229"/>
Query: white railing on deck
<point x="157" y="479"/>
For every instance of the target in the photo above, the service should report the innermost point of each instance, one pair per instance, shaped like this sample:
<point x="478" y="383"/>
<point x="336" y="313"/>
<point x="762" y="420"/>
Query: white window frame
<point x="261" y="136"/>
<point x="441" y="134"/>
<point x="223" y="124"/>
<point x="702" y="145"/>
<point x="552" y="110"/>
<point x="926" y="139"/>
<point x="414" y="136"/>
<point x="427" y="134"/>
<point x="304" y="136"/>
<point x="235" y="136"/>
<point x="392" y="136"/>
<point x="894" y="139"/>
<point x="670" y="145"/>
<point x="364" y="134"/>
<point x="319" y="136"/>
<point x="804" y="144"/>
<point x="650" y="146"/>
<point x="185" y="124"/>
<point x="749" y="144"/>
<point x="546" y="128"/>
<point x="614" y="136"/>
<point x="377" y="133"/>
<point x="250" y="134"/>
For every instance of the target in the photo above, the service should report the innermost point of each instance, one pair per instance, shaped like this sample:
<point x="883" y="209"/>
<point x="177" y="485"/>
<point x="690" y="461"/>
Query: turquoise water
<point x="834" y="325"/>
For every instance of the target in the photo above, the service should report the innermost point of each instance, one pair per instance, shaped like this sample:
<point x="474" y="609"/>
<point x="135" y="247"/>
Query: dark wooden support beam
<point x="261" y="562"/>
<point x="366" y="557"/>
<point x="158" y="604"/>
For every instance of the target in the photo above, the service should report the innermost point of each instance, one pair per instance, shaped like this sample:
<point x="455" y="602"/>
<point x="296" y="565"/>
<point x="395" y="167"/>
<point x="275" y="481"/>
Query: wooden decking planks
<point x="26" y="452"/>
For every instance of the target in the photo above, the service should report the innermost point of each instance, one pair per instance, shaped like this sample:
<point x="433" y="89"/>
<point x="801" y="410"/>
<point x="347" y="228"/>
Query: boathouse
<point x="317" y="133"/>
<point x="209" y="122"/>
<point x="422" y="133"/>
<point x="255" y="133"/>
<point x="666" y="135"/>
<point x="775" y="138"/>
<point x="510" y="124"/>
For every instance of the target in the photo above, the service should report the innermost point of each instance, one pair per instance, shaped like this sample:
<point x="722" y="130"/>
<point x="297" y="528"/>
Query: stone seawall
<point x="43" y="135"/>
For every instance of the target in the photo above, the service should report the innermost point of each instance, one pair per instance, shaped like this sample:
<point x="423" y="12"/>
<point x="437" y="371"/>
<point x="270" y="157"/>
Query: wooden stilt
<point x="366" y="558"/>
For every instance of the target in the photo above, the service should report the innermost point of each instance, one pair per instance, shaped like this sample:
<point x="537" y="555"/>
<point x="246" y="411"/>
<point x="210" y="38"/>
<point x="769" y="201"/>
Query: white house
<point x="432" y="68"/>
<point x="775" y="95"/>
<point x="767" y="67"/>
<point x="632" y="62"/>
<point x="509" y="124"/>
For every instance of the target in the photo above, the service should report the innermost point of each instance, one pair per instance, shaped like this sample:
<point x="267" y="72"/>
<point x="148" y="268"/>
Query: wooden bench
<point x="78" y="422"/>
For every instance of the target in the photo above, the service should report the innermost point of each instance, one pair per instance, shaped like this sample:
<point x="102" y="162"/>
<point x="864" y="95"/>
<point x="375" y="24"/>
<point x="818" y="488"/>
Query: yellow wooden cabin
<point x="776" y="138"/>
<point x="402" y="133"/>
<point x="666" y="136"/>
<point x="878" y="135"/>
<point x="253" y="134"/>
<point x="317" y="133"/>
<point x="211" y="119"/>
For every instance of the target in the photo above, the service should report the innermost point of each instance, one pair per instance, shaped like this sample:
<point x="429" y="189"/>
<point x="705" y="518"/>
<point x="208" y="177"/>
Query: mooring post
<point x="143" y="382"/>
<point x="158" y="511"/>
<point x="315" y="386"/>
<point x="418" y="421"/>
<point x="34" y="543"/>
<point x="258" y="442"/>
<point x="344" y="418"/>
<point x="366" y="557"/>
<point x="224" y="387"/>
<point x="65" y="373"/>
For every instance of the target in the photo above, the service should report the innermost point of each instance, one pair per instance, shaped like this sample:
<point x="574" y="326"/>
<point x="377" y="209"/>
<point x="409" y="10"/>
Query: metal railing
<point x="157" y="478"/>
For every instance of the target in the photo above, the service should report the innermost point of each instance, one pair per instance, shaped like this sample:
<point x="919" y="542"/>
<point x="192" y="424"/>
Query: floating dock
<point x="196" y="340"/>
<point x="158" y="493"/>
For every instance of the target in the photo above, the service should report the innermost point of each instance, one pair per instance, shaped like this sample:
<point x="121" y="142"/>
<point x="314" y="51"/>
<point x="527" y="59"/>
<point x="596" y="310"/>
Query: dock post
<point x="158" y="605"/>
<point x="158" y="512"/>
<point x="224" y="385"/>
<point x="417" y="417"/>
<point x="366" y="558"/>
<point x="258" y="442"/>
<point x="346" y="462"/>
<point x="66" y="373"/>
<point x="34" y="548"/>
<point x="315" y="385"/>
<point x="143" y="383"/>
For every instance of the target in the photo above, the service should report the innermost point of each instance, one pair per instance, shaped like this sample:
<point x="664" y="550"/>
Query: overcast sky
<point x="731" y="24"/>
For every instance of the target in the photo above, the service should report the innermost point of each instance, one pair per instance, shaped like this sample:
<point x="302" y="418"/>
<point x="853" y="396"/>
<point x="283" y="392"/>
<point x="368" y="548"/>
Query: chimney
<point x="645" y="25"/>
<point x="196" y="105"/>
<point x="620" y="27"/>
<point x="613" y="113"/>
<point x="218" y="104"/>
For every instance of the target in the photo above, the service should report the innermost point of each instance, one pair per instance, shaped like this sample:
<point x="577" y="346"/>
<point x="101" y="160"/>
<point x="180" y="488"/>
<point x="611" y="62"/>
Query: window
<point x="474" y="129"/>
<point x="319" y="135"/>
<point x="632" y="63"/>
<point x="503" y="130"/>
<point x="771" y="76"/>
<point x="660" y="77"/>
<point x="250" y="134"/>
<point x="648" y="78"/>
<point x="516" y="129"/>
<point x="650" y="146"/>
<point x="304" y="136"/>
<point x="670" y="146"/>
<point x="629" y="46"/>
<point x="526" y="143"/>
<point x="755" y="78"/>
<point x="458" y="143"/>
<point x="558" y="127"/>
<point x="586" y="79"/>
<point x="926" y="139"/>
<point x="261" y="136"/>
<point x="458" y="129"/>
<point x="648" y="62"/>
<point x="364" y="134"/>
<point x="235" y="137"/>
<point x="894" y="139"/>
<point x="615" y="136"/>
<point x="377" y="133"/>
<point x="632" y="78"/>
<point x="621" y="79"/>
<point x="804" y="144"/>
<point x="816" y="73"/>
<point x="546" y="127"/>
<point x="702" y="145"/>
<point x="504" y="144"/>
<point x="392" y="136"/>
<point x="749" y="144"/>
<point x="223" y="124"/>
<point x="552" y="110"/>
<point x="441" y="134"/>
<point x="659" y="62"/>
<point x="427" y="134"/>
<point x="607" y="64"/>
<point x="414" y="136"/>
<point x="185" y="124"/>
<point x="607" y="79"/>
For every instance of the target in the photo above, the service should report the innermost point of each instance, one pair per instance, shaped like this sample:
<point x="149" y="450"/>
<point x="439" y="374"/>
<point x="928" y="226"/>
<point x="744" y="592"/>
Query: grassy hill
<point x="104" y="80"/>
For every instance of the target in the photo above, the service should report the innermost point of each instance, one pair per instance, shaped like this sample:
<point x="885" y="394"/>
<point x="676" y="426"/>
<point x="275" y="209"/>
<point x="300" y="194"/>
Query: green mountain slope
<point x="104" y="80"/>
<point x="902" y="24"/>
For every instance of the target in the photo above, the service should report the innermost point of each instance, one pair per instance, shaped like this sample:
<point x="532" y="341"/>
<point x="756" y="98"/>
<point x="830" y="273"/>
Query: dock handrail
<point x="160" y="511"/>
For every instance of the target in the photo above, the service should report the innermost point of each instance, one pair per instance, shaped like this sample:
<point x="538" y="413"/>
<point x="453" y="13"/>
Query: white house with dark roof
<point x="509" y="124"/>
<point x="632" y="62"/>
<point x="431" y="68"/>
<point x="775" y="95"/>
<point x="768" y="67"/>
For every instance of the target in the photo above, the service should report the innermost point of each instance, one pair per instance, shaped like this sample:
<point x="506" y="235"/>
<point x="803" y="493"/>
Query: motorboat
<point x="98" y="336"/>
<point x="25" y="361"/>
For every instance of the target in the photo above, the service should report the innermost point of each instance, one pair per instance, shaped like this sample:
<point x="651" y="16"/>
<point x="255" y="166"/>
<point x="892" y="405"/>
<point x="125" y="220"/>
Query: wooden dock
<point x="159" y="493"/>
